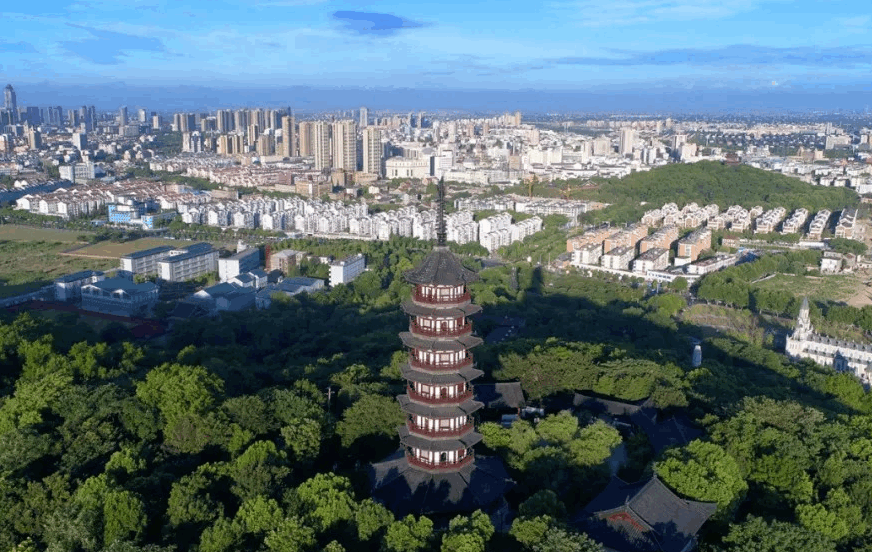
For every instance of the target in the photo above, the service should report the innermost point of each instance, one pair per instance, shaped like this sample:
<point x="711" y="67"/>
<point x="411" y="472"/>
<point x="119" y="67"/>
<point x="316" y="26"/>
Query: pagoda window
<point x="443" y="457"/>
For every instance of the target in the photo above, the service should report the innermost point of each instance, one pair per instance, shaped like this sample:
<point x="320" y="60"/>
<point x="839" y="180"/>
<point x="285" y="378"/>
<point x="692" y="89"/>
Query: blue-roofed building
<point x="189" y="262"/>
<point x="120" y="296"/>
<point x="69" y="287"/>
<point x="145" y="261"/>
<point x="289" y="287"/>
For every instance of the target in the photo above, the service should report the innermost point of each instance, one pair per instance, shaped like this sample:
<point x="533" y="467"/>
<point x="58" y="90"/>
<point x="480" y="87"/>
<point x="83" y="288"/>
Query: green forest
<point x="253" y="431"/>
<point x="709" y="182"/>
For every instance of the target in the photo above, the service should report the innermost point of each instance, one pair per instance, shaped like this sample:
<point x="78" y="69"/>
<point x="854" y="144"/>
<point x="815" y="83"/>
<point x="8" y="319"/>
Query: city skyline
<point x="645" y="47"/>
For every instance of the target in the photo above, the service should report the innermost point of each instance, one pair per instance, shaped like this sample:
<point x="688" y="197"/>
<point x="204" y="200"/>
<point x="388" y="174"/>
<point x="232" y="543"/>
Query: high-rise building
<point x="265" y="145"/>
<point x="627" y="138"/>
<point x="10" y="102"/>
<point x="224" y="120"/>
<point x="143" y="115"/>
<point x="34" y="138"/>
<point x="437" y="471"/>
<point x="345" y="145"/>
<point x="72" y="118"/>
<point x="80" y="141"/>
<point x="253" y="133"/>
<point x="122" y="115"/>
<point x="155" y="121"/>
<point x="288" y="138"/>
<point x="321" y="144"/>
<point x="240" y="119"/>
<point x="364" y="117"/>
<point x="373" y="151"/>
<point x="305" y="139"/>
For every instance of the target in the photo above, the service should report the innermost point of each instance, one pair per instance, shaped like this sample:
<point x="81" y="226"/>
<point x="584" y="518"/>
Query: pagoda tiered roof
<point x="455" y="311"/>
<point x="437" y="445"/>
<point x="460" y="343"/>
<point x="466" y="374"/>
<point x="465" y="408"/>
<point x="440" y="268"/>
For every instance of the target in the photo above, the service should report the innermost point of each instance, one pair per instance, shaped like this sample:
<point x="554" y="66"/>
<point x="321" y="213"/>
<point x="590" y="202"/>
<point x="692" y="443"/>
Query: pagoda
<point x="436" y="470"/>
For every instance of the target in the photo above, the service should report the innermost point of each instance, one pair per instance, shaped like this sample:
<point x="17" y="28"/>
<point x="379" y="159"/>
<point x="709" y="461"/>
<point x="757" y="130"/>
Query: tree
<point x="291" y="535"/>
<point x="370" y="415"/>
<point x="703" y="471"/>
<point x="408" y="534"/>
<point x="679" y="284"/>
<point x="758" y="535"/>
<point x="543" y="503"/>
<point x="370" y="518"/>
<point x="327" y="500"/>
<point x="468" y="534"/>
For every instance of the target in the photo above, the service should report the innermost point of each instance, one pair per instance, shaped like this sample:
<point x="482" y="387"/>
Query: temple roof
<point x="644" y="516"/>
<point x="453" y="411"/>
<point x="438" y="445"/>
<point x="500" y="395"/>
<point x="406" y="490"/>
<point x="460" y="343"/>
<point x="411" y="308"/>
<point x="440" y="268"/>
<point x="465" y="374"/>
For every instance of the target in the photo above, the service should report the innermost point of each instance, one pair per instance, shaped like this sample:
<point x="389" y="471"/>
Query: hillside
<point x="710" y="182"/>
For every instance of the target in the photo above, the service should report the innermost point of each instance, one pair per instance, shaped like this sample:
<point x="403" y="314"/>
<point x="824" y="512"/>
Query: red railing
<point x="439" y="433"/>
<point x="440" y="332"/>
<point x="428" y="399"/>
<point x="441" y="366"/>
<point x="438" y="300"/>
<point x="442" y="466"/>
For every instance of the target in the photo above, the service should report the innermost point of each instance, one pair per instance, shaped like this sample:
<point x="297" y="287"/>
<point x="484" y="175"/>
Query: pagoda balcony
<point x="430" y="399"/>
<point x="440" y="332"/>
<point x="440" y="433"/>
<point x="440" y="300"/>
<point x="439" y="466"/>
<point x="441" y="366"/>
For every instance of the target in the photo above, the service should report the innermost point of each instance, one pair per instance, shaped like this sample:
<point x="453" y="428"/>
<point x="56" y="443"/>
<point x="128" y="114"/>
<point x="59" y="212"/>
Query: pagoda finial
<point x="440" y="214"/>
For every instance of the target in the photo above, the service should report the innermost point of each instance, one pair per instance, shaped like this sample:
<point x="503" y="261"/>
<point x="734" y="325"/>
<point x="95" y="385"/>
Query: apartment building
<point x="589" y="254"/>
<point x="818" y="224"/>
<point x="846" y="227"/>
<point x="190" y="262"/>
<point x="663" y="238"/>
<point x="346" y="270"/>
<point x="712" y="264"/>
<point x="145" y="261"/>
<point x="618" y="258"/>
<point x="793" y="224"/>
<point x="629" y="236"/>
<point x="285" y="260"/>
<point x="595" y="235"/>
<point x="656" y="258"/>
<point x="690" y="246"/>
<point x="239" y="263"/>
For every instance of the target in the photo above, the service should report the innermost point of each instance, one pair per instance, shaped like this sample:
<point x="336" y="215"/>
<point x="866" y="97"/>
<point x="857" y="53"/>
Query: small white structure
<point x="241" y="262"/>
<point x="346" y="270"/>
<point x="69" y="287"/>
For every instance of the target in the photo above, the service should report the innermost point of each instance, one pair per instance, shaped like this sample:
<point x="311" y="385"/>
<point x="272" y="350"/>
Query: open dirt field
<point x="28" y="265"/>
<point x="28" y="233"/>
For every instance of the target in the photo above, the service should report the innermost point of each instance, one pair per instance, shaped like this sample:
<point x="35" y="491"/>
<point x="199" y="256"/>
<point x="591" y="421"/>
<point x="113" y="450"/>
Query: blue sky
<point x="554" y="45"/>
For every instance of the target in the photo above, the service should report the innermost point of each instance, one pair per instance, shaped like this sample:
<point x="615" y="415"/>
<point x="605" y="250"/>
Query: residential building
<point x="618" y="258"/>
<point x="588" y="254"/>
<point x="845" y="228"/>
<point x="831" y="262"/>
<point x="69" y="287"/>
<point x="691" y="245"/>
<point x="288" y="137"/>
<point x="285" y="260"/>
<point x="627" y="138"/>
<point x="78" y="172"/>
<point x="321" y="144"/>
<point x="305" y="138"/>
<point x="120" y="296"/>
<point x="655" y="258"/>
<point x="190" y="262"/>
<point x="402" y="167"/>
<point x="145" y="261"/>
<point x="373" y="151"/>
<point x="712" y="264"/>
<point x="346" y="270"/>
<point x="239" y="263"/>
<point x="663" y="238"/>
<point x="345" y="145"/>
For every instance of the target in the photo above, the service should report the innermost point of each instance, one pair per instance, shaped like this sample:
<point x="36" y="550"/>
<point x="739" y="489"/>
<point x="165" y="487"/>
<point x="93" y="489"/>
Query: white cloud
<point x="595" y="13"/>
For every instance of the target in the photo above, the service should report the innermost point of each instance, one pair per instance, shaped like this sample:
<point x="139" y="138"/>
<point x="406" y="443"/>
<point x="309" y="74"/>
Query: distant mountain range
<point x="310" y="99"/>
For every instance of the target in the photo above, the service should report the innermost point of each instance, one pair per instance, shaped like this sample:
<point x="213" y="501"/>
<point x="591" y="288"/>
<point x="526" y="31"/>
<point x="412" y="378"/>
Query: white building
<point x="190" y="262"/>
<point x="844" y="356"/>
<point x="619" y="258"/>
<point x="346" y="270"/>
<point x="239" y="263"/>
<point x="655" y="258"/>
<point x="401" y="167"/>
<point x="145" y="261"/>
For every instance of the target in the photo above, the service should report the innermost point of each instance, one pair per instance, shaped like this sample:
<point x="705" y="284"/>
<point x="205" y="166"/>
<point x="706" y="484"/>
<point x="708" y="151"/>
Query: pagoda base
<point x="405" y="489"/>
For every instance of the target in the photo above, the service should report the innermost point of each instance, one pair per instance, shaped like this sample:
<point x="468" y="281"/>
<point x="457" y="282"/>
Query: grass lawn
<point x="112" y="249"/>
<point x="840" y="287"/>
<point x="29" y="233"/>
<point x="28" y="265"/>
